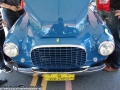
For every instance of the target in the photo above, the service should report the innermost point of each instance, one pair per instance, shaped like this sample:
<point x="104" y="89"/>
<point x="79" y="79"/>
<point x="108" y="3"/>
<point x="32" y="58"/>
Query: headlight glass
<point x="106" y="48"/>
<point x="11" y="49"/>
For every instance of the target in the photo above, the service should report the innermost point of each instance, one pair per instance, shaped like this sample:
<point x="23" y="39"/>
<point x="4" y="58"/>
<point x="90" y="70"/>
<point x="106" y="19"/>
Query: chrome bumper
<point x="32" y="72"/>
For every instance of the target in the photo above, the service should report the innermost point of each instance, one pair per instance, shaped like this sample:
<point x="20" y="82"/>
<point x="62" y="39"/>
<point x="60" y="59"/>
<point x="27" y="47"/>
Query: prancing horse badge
<point x="57" y="40"/>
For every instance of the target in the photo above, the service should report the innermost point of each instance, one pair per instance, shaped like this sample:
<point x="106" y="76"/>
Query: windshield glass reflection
<point x="58" y="29"/>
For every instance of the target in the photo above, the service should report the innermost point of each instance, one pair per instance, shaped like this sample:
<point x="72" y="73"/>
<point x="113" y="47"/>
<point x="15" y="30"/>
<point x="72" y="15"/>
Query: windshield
<point x="57" y="29"/>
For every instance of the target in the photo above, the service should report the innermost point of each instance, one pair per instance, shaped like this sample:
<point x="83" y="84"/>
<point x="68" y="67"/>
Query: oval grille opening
<point x="58" y="58"/>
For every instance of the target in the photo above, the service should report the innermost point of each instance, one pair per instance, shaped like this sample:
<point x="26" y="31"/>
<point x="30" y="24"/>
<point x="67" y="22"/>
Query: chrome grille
<point x="58" y="58"/>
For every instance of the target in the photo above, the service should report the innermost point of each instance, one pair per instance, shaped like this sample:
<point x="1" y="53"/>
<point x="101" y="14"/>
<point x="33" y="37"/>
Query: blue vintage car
<point x="39" y="44"/>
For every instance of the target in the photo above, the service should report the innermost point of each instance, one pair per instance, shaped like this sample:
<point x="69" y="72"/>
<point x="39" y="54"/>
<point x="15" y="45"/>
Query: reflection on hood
<point x="48" y="11"/>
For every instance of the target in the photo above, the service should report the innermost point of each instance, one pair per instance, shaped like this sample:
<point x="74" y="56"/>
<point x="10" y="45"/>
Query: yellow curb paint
<point x="68" y="85"/>
<point x="44" y="84"/>
<point x="34" y="80"/>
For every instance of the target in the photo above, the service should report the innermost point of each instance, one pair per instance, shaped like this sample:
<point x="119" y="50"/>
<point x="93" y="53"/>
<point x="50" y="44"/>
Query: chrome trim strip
<point x="106" y="31"/>
<point x="29" y="71"/>
<point x="61" y="45"/>
<point x="61" y="72"/>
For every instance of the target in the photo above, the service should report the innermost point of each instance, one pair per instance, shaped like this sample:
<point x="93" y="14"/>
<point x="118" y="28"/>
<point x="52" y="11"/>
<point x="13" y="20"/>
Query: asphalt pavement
<point x="101" y="80"/>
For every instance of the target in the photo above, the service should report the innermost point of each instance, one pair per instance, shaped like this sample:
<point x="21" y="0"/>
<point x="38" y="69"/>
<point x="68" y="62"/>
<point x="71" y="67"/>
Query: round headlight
<point x="11" y="49"/>
<point x="106" y="48"/>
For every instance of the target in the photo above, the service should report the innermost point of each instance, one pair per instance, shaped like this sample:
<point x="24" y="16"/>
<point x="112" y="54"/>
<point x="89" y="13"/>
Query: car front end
<point x="37" y="50"/>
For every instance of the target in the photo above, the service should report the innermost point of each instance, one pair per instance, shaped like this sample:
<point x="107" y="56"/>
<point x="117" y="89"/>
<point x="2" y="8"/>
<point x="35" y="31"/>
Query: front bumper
<point x="32" y="72"/>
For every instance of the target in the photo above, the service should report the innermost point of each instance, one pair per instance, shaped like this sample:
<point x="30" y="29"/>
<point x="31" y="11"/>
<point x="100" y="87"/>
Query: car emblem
<point x="57" y="40"/>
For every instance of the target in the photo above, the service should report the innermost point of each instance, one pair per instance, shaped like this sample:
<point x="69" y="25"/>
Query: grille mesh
<point x="58" y="58"/>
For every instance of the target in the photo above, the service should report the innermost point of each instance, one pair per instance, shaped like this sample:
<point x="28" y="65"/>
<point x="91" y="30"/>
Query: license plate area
<point x="58" y="77"/>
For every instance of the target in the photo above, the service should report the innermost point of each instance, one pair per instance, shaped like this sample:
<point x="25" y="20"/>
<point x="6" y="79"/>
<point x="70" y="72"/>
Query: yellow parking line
<point x="44" y="84"/>
<point x="34" y="80"/>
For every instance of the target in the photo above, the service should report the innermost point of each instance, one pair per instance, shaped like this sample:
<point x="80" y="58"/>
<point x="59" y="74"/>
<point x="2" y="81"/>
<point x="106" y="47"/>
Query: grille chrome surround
<point x="58" y="57"/>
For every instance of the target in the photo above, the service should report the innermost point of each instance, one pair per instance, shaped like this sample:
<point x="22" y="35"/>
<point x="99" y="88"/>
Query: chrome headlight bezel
<point x="108" y="45"/>
<point x="11" y="49"/>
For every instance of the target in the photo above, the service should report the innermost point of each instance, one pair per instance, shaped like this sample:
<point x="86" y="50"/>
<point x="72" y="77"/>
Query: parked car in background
<point x="78" y="48"/>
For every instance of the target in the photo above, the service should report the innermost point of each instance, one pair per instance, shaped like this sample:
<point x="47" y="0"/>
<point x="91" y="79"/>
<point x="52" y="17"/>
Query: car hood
<point x="48" y="11"/>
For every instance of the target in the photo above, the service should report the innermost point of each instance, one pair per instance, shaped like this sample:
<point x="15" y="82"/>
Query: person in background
<point x="3" y="67"/>
<point x="117" y="14"/>
<point x="12" y="10"/>
<point x="103" y="9"/>
<point x="22" y="3"/>
<point x="114" y="26"/>
<point x="2" y="81"/>
<point x="59" y="27"/>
